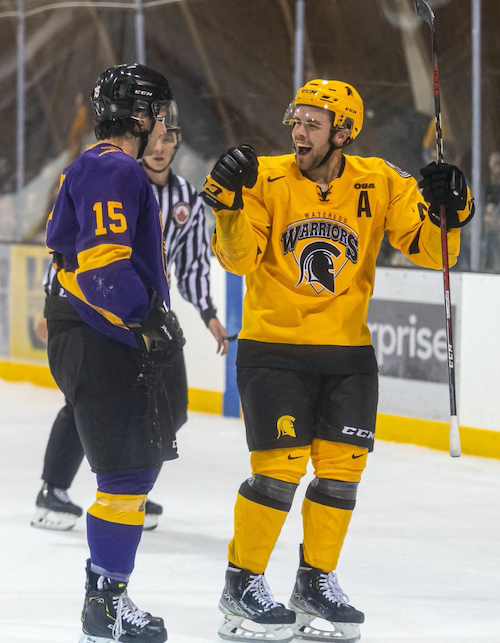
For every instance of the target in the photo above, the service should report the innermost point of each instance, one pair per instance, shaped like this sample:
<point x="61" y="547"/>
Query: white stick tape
<point x="455" y="448"/>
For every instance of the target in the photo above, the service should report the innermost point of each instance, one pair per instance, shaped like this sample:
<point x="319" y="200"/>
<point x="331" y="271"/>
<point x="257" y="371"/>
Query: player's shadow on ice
<point x="164" y="540"/>
<point x="161" y="540"/>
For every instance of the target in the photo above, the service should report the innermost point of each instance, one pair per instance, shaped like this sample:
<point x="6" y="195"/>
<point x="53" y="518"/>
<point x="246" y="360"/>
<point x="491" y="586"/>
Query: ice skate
<point x="152" y="514"/>
<point x="109" y="615"/>
<point x="317" y="595"/>
<point x="250" y="610"/>
<point x="54" y="510"/>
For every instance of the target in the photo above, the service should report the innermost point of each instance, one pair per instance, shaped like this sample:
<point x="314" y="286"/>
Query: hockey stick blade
<point x="425" y="12"/>
<point x="455" y="447"/>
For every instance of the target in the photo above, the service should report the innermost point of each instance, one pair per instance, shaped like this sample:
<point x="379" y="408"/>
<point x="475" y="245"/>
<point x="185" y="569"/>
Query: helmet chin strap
<point x="156" y="171"/>
<point x="332" y="149"/>
<point x="144" y="136"/>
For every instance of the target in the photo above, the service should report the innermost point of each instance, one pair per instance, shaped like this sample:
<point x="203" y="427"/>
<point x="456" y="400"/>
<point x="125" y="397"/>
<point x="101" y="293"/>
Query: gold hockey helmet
<point x="337" y="97"/>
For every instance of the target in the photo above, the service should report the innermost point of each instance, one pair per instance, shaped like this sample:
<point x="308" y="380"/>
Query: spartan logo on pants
<point x="320" y="261"/>
<point x="285" y="426"/>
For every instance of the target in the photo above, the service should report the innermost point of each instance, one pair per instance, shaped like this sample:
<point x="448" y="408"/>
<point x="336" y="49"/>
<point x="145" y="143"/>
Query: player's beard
<point x="312" y="160"/>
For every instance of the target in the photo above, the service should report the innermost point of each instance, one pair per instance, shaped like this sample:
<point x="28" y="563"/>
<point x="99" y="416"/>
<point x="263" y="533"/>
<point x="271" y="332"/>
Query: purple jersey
<point x="106" y="224"/>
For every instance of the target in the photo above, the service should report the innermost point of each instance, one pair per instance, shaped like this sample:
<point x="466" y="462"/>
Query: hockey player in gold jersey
<point x="305" y="230"/>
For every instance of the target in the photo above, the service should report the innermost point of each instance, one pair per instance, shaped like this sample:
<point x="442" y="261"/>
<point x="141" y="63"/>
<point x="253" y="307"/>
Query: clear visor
<point x="314" y="117"/>
<point x="172" y="137"/>
<point x="301" y="114"/>
<point x="164" y="111"/>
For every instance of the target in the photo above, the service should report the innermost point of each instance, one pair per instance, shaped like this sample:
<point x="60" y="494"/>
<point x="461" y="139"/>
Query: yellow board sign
<point x="27" y="268"/>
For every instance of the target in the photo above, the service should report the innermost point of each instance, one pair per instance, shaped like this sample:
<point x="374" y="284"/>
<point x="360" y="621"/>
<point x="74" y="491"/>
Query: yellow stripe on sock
<point x="125" y="510"/>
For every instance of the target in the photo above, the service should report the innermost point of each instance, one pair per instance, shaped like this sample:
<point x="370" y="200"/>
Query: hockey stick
<point x="425" y="12"/>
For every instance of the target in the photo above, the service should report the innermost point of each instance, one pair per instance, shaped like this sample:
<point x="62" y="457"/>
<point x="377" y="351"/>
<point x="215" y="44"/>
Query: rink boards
<point x="406" y="319"/>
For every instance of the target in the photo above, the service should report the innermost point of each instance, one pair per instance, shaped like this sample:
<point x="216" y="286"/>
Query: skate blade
<point x="232" y="629"/>
<point x="55" y="520"/>
<point x="341" y="632"/>
<point x="150" y="522"/>
<point x="88" y="638"/>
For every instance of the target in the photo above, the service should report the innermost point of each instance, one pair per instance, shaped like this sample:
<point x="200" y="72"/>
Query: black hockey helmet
<point x="125" y="90"/>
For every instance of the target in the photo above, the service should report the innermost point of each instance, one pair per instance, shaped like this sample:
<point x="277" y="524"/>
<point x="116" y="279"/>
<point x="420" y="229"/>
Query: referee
<point x="187" y="247"/>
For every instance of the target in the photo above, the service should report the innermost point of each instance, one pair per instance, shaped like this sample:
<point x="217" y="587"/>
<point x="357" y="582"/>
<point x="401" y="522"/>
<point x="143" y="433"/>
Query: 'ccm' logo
<point x="363" y="186"/>
<point x="360" y="433"/>
<point x="142" y="92"/>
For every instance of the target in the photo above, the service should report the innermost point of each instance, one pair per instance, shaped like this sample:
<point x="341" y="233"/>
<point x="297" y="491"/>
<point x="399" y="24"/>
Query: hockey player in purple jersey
<point x="187" y="248"/>
<point x="112" y="331"/>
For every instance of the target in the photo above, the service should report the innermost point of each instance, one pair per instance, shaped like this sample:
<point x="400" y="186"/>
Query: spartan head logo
<point x="285" y="426"/>
<point x="316" y="264"/>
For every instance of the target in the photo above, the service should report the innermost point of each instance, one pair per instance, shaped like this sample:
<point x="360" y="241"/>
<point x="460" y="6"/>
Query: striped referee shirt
<point x="187" y="244"/>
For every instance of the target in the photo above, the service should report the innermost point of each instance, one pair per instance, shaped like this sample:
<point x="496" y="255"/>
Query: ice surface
<point x="421" y="558"/>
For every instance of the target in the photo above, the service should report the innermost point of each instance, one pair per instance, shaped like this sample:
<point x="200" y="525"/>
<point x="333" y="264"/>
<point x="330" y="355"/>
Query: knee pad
<point x="119" y="508"/>
<point x="269" y="492"/>
<point x="275" y="476"/>
<point x="338" y="461"/>
<point x="333" y="493"/>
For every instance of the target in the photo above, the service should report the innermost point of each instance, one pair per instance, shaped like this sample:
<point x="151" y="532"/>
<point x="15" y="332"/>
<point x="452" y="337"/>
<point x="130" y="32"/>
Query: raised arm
<point x="233" y="190"/>
<point x="411" y="222"/>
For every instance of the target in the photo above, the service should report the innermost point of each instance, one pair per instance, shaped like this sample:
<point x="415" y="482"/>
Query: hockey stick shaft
<point x="425" y="12"/>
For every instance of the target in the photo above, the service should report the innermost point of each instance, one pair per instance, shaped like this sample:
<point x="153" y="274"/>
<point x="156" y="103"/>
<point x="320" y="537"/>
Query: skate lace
<point x="261" y="591"/>
<point x="331" y="589"/>
<point x="62" y="495"/>
<point x="128" y="612"/>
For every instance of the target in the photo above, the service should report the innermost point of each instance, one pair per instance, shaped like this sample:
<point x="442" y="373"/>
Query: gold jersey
<point x="309" y="256"/>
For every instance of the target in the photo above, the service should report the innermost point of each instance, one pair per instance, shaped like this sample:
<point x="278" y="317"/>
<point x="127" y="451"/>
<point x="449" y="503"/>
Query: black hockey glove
<point x="162" y="353"/>
<point x="234" y="169"/>
<point x="444" y="184"/>
<point x="162" y="328"/>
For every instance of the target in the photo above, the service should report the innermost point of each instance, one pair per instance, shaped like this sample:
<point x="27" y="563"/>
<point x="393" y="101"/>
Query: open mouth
<point x="302" y="150"/>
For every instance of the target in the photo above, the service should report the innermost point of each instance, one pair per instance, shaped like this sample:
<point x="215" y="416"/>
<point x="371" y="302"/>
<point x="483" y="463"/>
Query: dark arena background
<point x="421" y="558"/>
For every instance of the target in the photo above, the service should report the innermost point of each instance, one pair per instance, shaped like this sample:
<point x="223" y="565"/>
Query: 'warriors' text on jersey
<point x="309" y="255"/>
